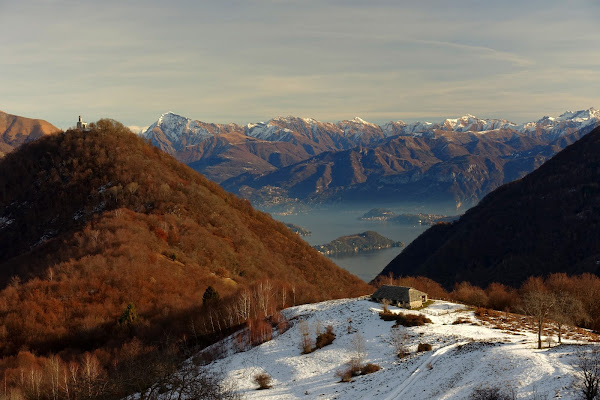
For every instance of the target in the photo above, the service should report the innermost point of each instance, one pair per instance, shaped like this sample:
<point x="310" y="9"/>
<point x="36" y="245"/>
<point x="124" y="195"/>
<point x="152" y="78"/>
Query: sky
<point x="248" y="61"/>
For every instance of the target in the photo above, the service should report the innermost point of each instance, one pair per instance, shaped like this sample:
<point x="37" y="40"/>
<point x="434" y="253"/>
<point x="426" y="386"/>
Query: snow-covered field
<point x="464" y="357"/>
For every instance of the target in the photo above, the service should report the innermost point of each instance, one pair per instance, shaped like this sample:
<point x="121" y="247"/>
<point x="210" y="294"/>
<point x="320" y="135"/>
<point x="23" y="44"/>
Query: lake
<point x="327" y="224"/>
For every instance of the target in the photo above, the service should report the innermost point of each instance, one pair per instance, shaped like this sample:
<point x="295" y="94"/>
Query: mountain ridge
<point x="465" y="123"/>
<point x="16" y="130"/>
<point x="245" y="159"/>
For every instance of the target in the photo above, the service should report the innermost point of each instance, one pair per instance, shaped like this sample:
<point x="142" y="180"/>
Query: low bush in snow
<point x="460" y="320"/>
<point x="345" y="374"/>
<point x="387" y="315"/>
<point x="412" y="320"/>
<point x="263" y="380"/>
<point x="353" y="368"/>
<point x="424" y="347"/>
<point x="491" y="393"/>
<point x="404" y="319"/>
<point x="369" y="368"/>
<point x="325" y="338"/>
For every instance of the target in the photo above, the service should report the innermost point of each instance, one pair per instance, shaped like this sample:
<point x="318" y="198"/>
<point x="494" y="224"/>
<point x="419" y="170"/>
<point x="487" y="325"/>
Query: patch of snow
<point x="5" y="221"/>
<point x="45" y="237"/>
<point x="268" y="132"/>
<point x="78" y="215"/>
<point x="100" y="207"/>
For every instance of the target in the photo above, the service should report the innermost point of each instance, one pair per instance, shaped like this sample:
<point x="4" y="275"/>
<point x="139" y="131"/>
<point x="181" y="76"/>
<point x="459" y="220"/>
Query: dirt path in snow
<point x="421" y="369"/>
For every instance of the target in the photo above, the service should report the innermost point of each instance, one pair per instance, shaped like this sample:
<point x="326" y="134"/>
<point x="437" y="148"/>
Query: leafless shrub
<point x="263" y="380"/>
<point x="345" y="374"/>
<point x="587" y="373"/>
<point x="369" y="368"/>
<point x="399" y="340"/>
<point x="325" y="338"/>
<point x="385" y="303"/>
<point x="491" y="393"/>
<point x="306" y="342"/>
<point x="460" y="320"/>
<point x="424" y="347"/>
<point x="358" y="347"/>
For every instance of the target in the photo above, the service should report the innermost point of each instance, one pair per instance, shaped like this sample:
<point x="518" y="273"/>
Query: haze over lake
<point x="327" y="224"/>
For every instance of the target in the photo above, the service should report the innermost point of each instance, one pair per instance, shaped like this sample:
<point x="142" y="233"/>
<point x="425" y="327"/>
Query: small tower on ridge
<point x="81" y="124"/>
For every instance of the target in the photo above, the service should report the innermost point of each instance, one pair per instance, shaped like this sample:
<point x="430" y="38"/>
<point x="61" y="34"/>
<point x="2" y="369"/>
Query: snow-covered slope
<point x="269" y="132"/>
<point x="464" y="357"/>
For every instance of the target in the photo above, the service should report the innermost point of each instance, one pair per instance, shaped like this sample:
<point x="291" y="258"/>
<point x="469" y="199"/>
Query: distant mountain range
<point x="547" y="222"/>
<point x="16" y="130"/>
<point x="293" y="159"/>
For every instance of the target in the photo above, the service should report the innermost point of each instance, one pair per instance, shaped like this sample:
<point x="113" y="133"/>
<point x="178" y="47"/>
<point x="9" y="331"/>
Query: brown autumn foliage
<point x="100" y="220"/>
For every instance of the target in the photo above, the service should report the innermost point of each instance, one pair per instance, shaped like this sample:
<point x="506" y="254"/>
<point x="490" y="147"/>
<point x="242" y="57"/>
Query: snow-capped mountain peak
<point x="359" y="120"/>
<point x="167" y="115"/>
<point x="175" y="127"/>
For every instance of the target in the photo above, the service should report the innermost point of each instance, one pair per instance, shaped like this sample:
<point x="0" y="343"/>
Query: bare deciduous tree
<point x="587" y="373"/>
<point x="538" y="304"/>
<point x="567" y="310"/>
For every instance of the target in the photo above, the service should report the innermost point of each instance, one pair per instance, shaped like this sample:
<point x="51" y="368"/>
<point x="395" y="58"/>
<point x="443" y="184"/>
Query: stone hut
<point x="400" y="296"/>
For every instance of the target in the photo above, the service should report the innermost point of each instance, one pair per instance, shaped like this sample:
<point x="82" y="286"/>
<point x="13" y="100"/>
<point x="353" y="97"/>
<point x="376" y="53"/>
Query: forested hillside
<point x="107" y="241"/>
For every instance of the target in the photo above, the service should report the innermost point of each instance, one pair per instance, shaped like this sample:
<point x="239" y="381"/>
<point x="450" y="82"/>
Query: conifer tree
<point x="210" y="295"/>
<point x="129" y="316"/>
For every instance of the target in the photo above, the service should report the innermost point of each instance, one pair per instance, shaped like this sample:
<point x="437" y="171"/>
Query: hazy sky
<point x="247" y="61"/>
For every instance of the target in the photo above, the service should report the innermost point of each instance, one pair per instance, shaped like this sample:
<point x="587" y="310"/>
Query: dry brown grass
<point x="515" y="324"/>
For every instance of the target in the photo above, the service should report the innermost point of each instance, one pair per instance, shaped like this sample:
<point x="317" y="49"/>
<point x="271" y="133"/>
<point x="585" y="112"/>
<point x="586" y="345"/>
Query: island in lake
<point x="360" y="242"/>
<point x="382" y="214"/>
<point x="378" y="214"/>
<point x="298" y="230"/>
